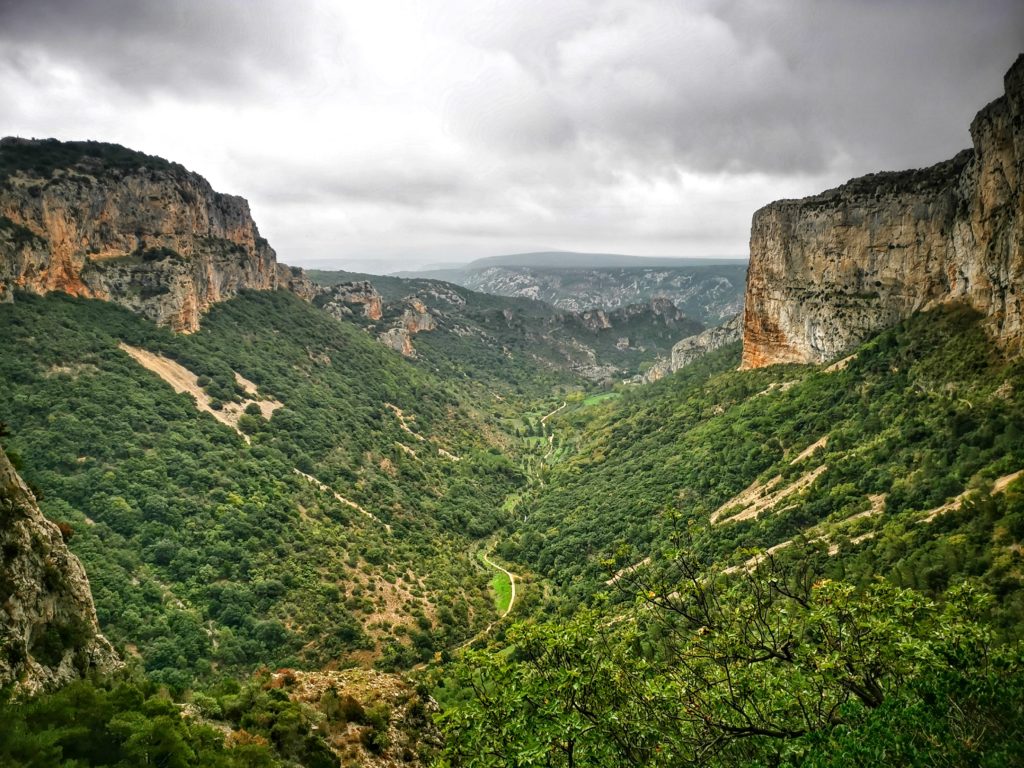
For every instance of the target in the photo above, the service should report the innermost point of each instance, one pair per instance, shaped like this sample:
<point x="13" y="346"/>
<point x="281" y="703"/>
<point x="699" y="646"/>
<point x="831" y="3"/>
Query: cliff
<point x="828" y="271"/>
<point x="101" y="221"/>
<point x="48" y="630"/>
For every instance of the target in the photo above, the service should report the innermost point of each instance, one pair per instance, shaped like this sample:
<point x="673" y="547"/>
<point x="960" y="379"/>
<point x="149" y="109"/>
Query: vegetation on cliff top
<point x="45" y="157"/>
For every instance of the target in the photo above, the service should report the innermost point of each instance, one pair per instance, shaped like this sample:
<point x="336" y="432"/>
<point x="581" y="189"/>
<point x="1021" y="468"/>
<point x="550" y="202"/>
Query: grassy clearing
<point x="594" y="399"/>
<point x="502" y="588"/>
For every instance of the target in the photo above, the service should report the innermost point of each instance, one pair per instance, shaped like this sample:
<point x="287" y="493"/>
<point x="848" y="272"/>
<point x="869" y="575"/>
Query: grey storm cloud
<point x="177" y="46"/>
<point x="469" y="126"/>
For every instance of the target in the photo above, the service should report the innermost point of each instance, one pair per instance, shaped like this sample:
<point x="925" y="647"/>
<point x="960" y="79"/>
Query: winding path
<point x="511" y="602"/>
<point x="543" y="419"/>
<point x="327" y="489"/>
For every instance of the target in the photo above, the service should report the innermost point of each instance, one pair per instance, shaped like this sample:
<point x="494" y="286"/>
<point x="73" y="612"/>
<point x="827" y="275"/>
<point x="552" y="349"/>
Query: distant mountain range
<point x="571" y="260"/>
<point x="707" y="289"/>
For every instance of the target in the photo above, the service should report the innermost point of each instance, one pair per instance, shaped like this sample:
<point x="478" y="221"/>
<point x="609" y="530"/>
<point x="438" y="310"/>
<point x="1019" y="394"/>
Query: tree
<point x="740" y="670"/>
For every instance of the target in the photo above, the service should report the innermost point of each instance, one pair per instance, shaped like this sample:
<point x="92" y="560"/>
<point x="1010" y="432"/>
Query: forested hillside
<point x="814" y="566"/>
<point x="377" y="521"/>
<point x="870" y="457"/>
<point x="520" y="343"/>
<point x="207" y="548"/>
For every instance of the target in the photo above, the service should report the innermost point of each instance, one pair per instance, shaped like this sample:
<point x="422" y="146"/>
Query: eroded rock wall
<point x="48" y="629"/>
<point x="103" y="222"/>
<point x="828" y="271"/>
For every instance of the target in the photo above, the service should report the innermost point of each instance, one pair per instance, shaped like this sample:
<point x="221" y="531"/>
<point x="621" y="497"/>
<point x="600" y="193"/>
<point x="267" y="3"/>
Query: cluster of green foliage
<point x="127" y="720"/>
<point x="44" y="157"/>
<point x="208" y="553"/>
<point x="774" y="669"/>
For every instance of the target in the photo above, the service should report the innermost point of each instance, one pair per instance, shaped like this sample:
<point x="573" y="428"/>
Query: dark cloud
<point x="620" y="125"/>
<point x="770" y="86"/>
<point x="183" y="46"/>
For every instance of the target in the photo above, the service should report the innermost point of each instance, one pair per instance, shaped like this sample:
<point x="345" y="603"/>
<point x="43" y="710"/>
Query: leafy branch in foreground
<point x="772" y="667"/>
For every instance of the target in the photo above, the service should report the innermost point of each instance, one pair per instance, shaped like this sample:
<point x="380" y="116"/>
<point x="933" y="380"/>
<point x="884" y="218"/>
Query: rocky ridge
<point x="101" y="221"/>
<point x="596" y="344"/>
<point x="828" y="271"/>
<point x="705" y="293"/>
<point x="693" y="348"/>
<point x="49" y="635"/>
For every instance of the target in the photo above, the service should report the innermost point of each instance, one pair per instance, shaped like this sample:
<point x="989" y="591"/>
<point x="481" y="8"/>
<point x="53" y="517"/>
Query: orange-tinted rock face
<point x="828" y="271"/>
<point x="140" y="232"/>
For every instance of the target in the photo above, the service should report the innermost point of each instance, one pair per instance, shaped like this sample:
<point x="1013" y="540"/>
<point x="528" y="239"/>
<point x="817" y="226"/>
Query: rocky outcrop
<point x="827" y="271"/>
<point x="295" y="280"/>
<point x="101" y="221"/>
<point x="345" y="299"/>
<point x="416" y="318"/>
<point x="693" y="348"/>
<point x="48" y="630"/>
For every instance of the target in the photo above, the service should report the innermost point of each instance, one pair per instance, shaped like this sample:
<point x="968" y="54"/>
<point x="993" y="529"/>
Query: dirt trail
<point x="623" y="572"/>
<point x="814" y="535"/>
<point x="511" y="580"/>
<point x="841" y="364"/>
<point x="342" y="499"/>
<point x="400" y="415"/>
<point x="512" y="601"/>
<point x="806" y="452"/>
<point x="543" y="419"/>
<point x="763" y="496"/>
<point x="998" y="486"/>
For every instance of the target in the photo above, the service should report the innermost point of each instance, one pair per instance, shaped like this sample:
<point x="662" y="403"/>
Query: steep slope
<point x="49" y="634"/>
<point x="693" y="348"/>
<point x="101" y="221"/>
<point x="338" y="533"/>
<point x="829" y="270"/>
<point x="903" y="461"/>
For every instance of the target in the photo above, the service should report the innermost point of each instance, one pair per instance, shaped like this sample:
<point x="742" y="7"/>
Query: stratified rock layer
<point x="100" y="221"/>
<point x="48" y="630"/>
<point x="828" y="271"/>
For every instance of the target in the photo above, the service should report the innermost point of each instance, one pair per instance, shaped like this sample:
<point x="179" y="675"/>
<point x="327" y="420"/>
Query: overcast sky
<point x="377" y="134"/>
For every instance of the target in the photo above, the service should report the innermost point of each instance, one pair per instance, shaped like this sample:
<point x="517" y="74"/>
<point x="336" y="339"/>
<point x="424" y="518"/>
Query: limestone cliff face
<point x="827" y="271"/>
<point x="100" y="221"/>
<point x="48" y="630"/>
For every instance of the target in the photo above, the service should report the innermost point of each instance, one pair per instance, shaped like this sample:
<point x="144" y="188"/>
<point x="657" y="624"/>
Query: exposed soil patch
<point x="183" y="380"/>
<point x="400" y="415"/>
<point x="956" y="502"/>
<point x="762" y="496"/>
<point x="806" y="452"/>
